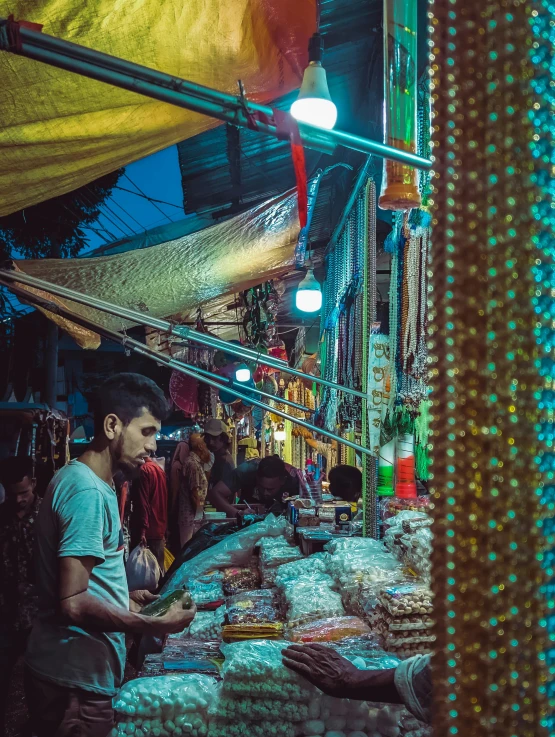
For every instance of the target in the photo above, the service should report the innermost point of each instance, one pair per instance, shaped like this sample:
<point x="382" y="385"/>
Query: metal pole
<point x="167" y="327"/>
<point x="182" y="93"/>
<point x="199" y="374"/>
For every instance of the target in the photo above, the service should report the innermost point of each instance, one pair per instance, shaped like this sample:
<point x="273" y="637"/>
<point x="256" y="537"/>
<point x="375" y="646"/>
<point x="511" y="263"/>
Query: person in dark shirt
<point x="153" y="508"/>
<point x="220" y="484"/>
<point x="18" y="598"/>
<point x="267" y="481"/>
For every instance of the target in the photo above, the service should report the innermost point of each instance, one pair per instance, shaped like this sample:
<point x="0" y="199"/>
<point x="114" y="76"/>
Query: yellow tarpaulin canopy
<point x="176" y="277"/>
<point x="59" y="130"/>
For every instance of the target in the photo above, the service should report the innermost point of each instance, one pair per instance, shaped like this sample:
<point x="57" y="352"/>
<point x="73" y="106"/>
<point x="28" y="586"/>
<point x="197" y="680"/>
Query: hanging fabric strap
<point x="288" y="130"/>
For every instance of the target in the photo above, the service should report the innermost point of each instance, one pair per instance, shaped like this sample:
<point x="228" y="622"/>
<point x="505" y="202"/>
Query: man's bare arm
<point x="80" y="608"/>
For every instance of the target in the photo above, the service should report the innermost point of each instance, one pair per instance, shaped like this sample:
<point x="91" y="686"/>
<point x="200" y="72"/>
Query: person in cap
<point x="218" y="442"/>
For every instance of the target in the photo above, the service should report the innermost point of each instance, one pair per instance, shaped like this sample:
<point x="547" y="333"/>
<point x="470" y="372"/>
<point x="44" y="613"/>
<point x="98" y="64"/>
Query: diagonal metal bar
<point x="181" y="366"/>
<point x="182" y="93"/>
<point x="167" y="327"/>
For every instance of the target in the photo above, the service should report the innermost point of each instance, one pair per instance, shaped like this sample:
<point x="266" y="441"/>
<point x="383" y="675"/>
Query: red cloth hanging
<point x="288" y="130"/>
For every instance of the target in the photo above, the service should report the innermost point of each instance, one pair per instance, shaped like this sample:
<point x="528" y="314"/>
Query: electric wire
<point x="126" y="175"/>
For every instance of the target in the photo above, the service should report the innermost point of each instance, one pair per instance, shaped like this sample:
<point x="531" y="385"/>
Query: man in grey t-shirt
<point x="76" y="653"/>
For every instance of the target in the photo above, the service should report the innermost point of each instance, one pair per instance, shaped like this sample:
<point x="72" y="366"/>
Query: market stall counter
<point x="257" y="593"/>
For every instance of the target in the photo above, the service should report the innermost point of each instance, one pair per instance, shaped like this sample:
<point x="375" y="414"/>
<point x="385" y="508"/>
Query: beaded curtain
<point x="486" y="339"/>
<point x="341" y="320"/>
<point x="542" y="56"/>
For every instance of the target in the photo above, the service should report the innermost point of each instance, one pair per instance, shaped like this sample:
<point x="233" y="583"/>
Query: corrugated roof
<point x="229" y="169"/>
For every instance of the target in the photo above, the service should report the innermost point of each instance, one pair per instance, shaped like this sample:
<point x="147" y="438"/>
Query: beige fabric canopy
<point x="183" y="274"/>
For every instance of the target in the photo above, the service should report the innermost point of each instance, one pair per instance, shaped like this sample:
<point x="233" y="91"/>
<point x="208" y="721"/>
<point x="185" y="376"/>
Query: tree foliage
<point x="55" y="227"/>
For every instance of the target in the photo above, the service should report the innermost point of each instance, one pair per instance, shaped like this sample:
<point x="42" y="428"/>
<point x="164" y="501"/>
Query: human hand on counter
<point x="337" y="676"/>
<point x="323" y="667"/>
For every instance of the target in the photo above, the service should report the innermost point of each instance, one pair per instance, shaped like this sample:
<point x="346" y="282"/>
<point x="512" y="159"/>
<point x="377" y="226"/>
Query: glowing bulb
<point x="242" y="373"/>
<point x="314" y="104"/>
<point x="309" y="294"/>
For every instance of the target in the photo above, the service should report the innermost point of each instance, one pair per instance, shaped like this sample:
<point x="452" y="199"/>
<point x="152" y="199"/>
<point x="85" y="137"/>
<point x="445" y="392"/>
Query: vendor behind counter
<point x="266" y="481"/>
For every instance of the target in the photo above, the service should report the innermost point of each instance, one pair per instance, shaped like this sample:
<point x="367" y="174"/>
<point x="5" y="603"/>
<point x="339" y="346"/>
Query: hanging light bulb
<point x="314" y="104"/>
<point x="279" y="434"/>
<point x="309" y="293"/>
<point x="242" y="373"/>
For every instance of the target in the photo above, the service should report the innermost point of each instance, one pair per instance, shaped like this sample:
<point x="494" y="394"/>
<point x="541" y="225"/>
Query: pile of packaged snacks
<point x="207" y="625"/>
<point x="259" y="695"/>
<point x="274" y="552"/>
<point x="310" y="598"/>
<point x="253" y="607"/>
<point x="404" y="619"/>
<point x="392" y="506"/>
<point x="165" y="706"/>
<point x="206" y="590"/>
<point x="240" y="579"/>
<point x="262" y="631"/>
<point x="331" y="717"/>
<point x="316" y="563"/>
<point x="186" y="655"/>
<point x="234" y="550"/>
<point x="361" y="567"/>
<point x="328" y="630"/>
<point x="383" y="622"/>
<point x="410" y="599"/>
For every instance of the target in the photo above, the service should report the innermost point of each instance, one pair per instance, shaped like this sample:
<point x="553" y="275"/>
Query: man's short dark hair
<point x="127" y="395"/>
<point x="348" y="479"/>
<point x="271" y="467"/>
<point x="14" y="469"/>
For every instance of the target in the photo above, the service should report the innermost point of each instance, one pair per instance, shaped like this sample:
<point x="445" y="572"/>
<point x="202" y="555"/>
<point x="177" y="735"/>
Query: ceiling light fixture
<point x="309" y="293"/>
<point x="242" y="373"/>
<point x="314" y="104"/>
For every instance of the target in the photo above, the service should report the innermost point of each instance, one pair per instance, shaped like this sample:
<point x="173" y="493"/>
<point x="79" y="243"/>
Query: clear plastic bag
<point x="328" y="630"/>
<point x="350" y="544"/>
<point x="395" y="640"/>
<point x="161" y="704"/>
<point x="316" y="563"/>
<point x="418" y="552"/>
<point x="365" y="652"/>
<point x="253" y="607"/>
<point x="276" y="552"/>
<point x="367" y="569"/>
<point x="224" y="728"/>
<point x="382" y="621"/>
<point x="207" y="625"/>
<point x="255" y="669"/>
<point x="142" y="569"/>
<point x="331" y="717"/>
<point x="256" y="709"/>
<point x="407" y="599"/>
<point x="309" y="602"/>
<point x="234" y="550"/>
<point x="206" y="592"/>
<point x="240" y="579"/>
